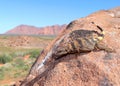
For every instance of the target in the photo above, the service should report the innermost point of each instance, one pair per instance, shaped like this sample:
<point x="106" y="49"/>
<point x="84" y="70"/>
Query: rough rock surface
<point x="96" y="68"/>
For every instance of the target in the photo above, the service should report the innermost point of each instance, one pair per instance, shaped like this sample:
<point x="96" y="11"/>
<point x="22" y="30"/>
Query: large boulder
<point x="96" y="68"/>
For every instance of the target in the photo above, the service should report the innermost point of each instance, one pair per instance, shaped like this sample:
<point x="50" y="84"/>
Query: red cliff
<point x="32" y="30"/>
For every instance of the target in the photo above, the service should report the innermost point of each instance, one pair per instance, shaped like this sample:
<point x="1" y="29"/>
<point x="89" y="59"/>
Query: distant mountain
<point x="30" y="30"/>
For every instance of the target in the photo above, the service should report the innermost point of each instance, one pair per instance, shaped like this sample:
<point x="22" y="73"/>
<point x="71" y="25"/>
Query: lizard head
<point x="99" y="36"/>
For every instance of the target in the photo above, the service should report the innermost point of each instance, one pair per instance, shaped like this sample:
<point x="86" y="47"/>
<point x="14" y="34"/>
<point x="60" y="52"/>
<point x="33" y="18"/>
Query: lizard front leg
<point x="102" y="46"/>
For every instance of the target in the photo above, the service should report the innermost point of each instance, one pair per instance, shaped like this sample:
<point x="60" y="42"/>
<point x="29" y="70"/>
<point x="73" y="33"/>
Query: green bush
<point x="16" y="75"/>
<point x="2" y="70"/>
<point x="34" y="53"/>
<point x="4" y="37"/>
<point x="19" y="63"/>
<point x="5" y="58"/>
<point x="1" y="75"/>
<point x="19" y="54"/>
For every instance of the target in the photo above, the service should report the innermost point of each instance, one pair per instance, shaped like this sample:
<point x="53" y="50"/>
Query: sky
<point x="42" y="13"/>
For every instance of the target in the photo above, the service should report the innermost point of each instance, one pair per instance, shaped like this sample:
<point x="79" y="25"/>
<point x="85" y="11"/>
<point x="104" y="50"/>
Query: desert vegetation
<point x="16" y="57"/>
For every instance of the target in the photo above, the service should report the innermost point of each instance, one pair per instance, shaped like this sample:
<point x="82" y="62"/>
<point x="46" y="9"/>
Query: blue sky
<point x="42" y="13"/>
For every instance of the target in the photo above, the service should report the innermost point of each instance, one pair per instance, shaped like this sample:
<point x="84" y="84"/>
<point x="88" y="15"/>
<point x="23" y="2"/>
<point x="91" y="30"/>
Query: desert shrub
<point x="16" y="75"/>
<point x="19" y="54"/>
<point x="21" y="68"/>
<point x="1" y="76"/>
<point x="5" y="58"/>
<point x="4" y="37"/>
<point x="19" y="63"/>
<point x="34" y="53"/>
<point x="2" y="70"/>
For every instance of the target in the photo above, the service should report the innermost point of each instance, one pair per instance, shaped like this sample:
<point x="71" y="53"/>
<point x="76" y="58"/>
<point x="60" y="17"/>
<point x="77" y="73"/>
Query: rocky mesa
<point x="32" y="30"/>
<point x="94" y="68"/>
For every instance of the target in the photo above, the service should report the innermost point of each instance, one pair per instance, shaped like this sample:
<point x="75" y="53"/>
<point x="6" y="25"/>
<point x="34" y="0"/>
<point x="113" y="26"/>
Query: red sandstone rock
<point x="96" y="68"/>
<point x="31" y="30"/>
